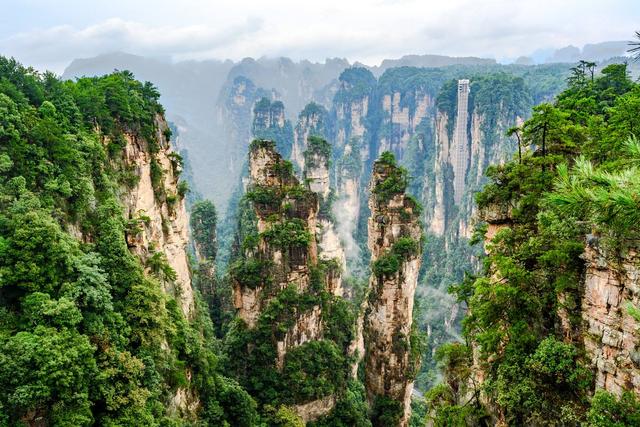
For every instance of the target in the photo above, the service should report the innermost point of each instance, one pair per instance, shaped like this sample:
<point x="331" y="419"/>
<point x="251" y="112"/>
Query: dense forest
<point x="88" y="336"/>
<point x="102" y="326"/>
<point x="573" y="183"/>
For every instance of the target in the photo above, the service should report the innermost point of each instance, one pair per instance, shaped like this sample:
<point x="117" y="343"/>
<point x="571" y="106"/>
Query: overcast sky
<point x="50" y="33"/>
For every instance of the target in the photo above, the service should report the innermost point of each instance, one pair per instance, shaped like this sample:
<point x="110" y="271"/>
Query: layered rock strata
<point x="395" y="241"/>
<point x="156" y="212"/>
<point x="611" y="337"/>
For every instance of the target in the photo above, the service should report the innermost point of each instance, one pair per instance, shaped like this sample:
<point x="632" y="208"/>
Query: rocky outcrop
<point x="158" y="222"/>
<point x="282" y="271"/>
<point x="317" y="175"/>
<point x="269" y="181"/>
<point x="395" y="243"/>
<point x="403" y="112"/>
<point x="269" y="122"/>
<point x="313" y="410"/>
<point x="497" y="217"/>
<point x="312" y="121"/>
<point x="611" y="337"/>
<point x="234" y="118"/>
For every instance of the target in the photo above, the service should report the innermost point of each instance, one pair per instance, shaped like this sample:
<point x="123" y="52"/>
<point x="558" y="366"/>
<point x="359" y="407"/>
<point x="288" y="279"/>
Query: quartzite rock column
<point x="395" y="242"/>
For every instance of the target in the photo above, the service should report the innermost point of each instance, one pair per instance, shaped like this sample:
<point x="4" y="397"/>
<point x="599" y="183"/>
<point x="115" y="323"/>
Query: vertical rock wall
<point x="157" y="212"/>
<point x="317" y="175"/>
<point x="285" y="210"/>
<point x="611" y="336"/>
<point x="312" y="121"/>
<point x="395" y="242"/>
<point x="402" y="113"/>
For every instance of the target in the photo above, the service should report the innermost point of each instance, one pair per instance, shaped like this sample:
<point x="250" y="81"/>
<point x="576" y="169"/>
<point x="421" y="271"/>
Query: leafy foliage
<point x="395" y="178"/>
<point x="533" y="362"/>
<point x="87" y="337"/>
<point x="389" y="264"/>
<point x="203" y="225"/>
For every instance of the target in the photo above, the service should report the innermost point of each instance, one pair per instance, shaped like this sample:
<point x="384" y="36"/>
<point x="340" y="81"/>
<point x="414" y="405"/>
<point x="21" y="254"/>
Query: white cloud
<point x="367" y="31"/>
<point x="60" y="44"/>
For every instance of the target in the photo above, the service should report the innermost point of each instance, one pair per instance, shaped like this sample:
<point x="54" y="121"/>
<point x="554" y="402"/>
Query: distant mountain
<point x="201" y="96"/>
<point x="590" y="52"/>
<point x="429" y="61"/>
<point x="195" y="94"/>
<point x="296" y="83"/>
<point x="187" y="88"/>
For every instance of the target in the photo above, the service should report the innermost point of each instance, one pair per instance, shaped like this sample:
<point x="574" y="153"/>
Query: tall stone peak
<point x="285" y="290"/>
<point x="317" y="175"/>
<point x="395" y="240"/>
<point x="313" y="120"/>
<point x="157" y="209"/>
<point x="270" y="123"/>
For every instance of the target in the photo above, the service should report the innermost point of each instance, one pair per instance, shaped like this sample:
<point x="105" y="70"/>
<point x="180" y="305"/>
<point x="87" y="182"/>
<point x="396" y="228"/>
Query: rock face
<point x="403" y="112"/>
<point x="312" y="121"/>
<point x="158" y="230"/>
<point x="269" y="122"/>
<point x="351" y="106"/>
<point x="394" y="241"/>
<point x="234" y="116"/>
<point x="282" y="259"/>
<point x="611" y="333"/>
<point x="497" y="217"/>
<point x="313" y="410"/>
<point x="268" y="175"/>
<point x="435" y="191"/>
<point x="159" y="225"/>
<point x="350" y="111"/>
<point x="466" y="143"/>
<point x="317" y="175"/>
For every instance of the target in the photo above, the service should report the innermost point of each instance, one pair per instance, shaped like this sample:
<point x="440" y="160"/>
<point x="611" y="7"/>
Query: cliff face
<point x="497" y="217"/>
<point x="158" y="232"/>
<point x="284" y="281"/>
<point x="159" y="225"/>
<point x="351" y="106"/>
<point x="317" y="174"/>
<point x="350" y="112"/>
<point x="611" y="333"/>
<point x="435" y="194"/>
<point x="312" y="121"/>
<point x="485" y="144"/>
<point x="234" y="118"/>
<point x="269" y="122"/>
<point x="403" y="112"/>
<point x="394" y="241"/>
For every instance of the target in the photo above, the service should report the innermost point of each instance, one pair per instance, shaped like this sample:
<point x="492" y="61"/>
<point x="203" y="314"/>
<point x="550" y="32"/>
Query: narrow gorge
<point x="388" y="246"/>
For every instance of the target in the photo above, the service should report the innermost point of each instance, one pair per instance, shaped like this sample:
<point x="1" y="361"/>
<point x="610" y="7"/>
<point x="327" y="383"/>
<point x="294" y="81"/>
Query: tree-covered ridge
<point x="576" y="175"/>
<point x="269" y="123"/>
<point x="87" y="337"/>
<point x="355" y="84"/>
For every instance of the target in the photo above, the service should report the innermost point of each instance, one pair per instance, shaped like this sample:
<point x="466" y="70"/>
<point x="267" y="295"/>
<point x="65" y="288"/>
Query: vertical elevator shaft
<point x="460" y="144"/>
